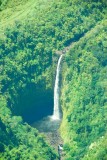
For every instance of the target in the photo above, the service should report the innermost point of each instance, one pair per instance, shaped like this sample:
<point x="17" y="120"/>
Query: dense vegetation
<point x="18" y="140"/>
<point x="84" y="96"/>
<point x="2" y="4"/>
<point x="27" y="67"/>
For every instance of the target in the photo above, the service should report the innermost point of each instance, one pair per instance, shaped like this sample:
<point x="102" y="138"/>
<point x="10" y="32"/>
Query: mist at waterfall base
<point x="52" y="122"/>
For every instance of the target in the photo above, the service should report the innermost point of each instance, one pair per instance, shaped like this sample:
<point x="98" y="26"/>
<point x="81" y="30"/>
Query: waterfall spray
<point x="56" y="113"/>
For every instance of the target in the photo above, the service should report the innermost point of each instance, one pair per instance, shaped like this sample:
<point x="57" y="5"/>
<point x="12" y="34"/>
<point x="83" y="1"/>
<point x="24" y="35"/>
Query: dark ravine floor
<point x="50" y="128"/>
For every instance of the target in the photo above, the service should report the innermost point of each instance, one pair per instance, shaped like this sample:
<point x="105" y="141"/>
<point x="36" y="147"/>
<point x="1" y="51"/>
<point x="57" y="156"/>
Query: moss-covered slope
<point x="84" y="95"/>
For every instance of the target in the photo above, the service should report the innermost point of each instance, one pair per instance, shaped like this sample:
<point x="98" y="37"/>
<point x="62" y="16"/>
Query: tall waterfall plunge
<point x="52" y="123"/>
<point x="56" y="113"/>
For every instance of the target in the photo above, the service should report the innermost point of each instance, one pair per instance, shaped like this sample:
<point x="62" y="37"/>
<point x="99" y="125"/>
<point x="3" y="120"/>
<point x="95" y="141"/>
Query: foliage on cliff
<point x="18" y="140"/>
<point x="27" y="48"/>
<point x="84" y="96"/>
<point x="31" y="33"/>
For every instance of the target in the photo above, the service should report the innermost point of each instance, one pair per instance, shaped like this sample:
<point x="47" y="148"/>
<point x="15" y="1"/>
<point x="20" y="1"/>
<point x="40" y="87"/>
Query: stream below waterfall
<point x="50" y="128"/>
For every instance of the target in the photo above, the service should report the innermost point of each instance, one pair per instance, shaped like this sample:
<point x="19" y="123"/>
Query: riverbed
<point x="50" y="128"/>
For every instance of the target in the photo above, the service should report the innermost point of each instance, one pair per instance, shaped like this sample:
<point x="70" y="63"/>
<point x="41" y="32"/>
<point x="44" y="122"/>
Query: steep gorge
<point x="28" y="62"/>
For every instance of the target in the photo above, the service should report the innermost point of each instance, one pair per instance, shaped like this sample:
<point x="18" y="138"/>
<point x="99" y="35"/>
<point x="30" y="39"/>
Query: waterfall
<point x="56" y="113"/>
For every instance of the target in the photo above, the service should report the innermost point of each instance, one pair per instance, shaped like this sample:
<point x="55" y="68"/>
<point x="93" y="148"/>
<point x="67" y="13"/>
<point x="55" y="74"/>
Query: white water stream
<point x="56" y="113"/>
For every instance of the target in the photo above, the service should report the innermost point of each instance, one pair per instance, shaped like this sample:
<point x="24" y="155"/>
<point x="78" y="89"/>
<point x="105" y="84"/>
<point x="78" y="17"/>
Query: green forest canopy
<point x="27" y="65"/>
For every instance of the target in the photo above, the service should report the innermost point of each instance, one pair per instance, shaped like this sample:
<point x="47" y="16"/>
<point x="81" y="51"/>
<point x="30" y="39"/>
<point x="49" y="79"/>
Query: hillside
<point x="84" y="95"/>
<point x="32" y="32"/>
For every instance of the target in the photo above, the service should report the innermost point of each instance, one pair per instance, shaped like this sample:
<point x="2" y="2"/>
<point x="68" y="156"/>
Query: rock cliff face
<point x="35" y="104"/>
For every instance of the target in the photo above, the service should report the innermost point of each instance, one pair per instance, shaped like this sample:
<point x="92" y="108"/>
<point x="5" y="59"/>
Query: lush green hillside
<point x="31" y="32"/>
<point x="18" y="140"/>
<point x="84" y="96"/>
